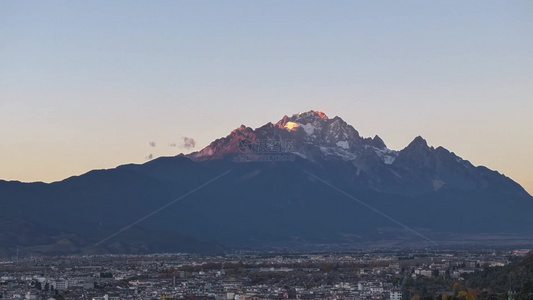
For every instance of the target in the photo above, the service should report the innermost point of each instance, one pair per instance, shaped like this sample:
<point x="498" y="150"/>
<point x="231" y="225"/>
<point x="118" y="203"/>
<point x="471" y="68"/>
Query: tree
<point x="526" y="292"/>
<point x="456" y="286"/>
<point x="470" y="294"/>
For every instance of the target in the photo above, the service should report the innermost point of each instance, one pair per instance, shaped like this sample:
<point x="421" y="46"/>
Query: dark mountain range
<point x="305" y="181"/>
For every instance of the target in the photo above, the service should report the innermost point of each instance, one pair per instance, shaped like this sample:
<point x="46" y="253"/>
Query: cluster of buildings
<point x="301" y="276"/>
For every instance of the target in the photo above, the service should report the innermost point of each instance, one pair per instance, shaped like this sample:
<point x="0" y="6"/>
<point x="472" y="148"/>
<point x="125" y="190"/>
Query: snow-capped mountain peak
<point x="312" y="114"/>
<point x="313" y="135"/>
<point x="308" y="117"/>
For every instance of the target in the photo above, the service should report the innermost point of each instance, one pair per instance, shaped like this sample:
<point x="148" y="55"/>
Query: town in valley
<point x="357" y="275"/>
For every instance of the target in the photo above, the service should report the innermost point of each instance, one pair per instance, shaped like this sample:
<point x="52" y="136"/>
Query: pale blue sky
<point x="87" y="84"/>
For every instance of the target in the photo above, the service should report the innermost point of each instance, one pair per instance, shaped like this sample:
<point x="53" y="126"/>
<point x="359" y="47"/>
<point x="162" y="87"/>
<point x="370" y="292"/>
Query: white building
<point x="60" y="285"/>
<point x="106" y="297"/>
<point x="426" y="272"/>
<point x="395" y="295"/>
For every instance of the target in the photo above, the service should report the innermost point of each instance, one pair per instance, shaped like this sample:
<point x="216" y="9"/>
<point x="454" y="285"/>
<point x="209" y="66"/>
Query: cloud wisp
<point x="188" y="143"/>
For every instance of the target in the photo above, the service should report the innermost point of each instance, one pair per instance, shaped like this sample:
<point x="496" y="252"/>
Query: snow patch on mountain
<point x="388" y="160"/>
<point x="343" y="144"/>
<point x="338" y="152"/>
<point x="387" y="155"/>
<point x="308" y="128"/>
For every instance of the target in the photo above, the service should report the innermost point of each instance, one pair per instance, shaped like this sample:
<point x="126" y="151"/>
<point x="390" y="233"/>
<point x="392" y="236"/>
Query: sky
<point x="95" y="84"/>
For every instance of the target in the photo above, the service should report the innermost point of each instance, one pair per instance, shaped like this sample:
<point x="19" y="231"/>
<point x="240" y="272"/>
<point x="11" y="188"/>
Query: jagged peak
<point x="281" y="123"/>
<point x="242" y="128"/>
<point x="418" y="142"/>
<point x="378" y="142"/>
<point x="311" y="127"/>
<point x="310" y="114"/>
<point x="443" y="150"/>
